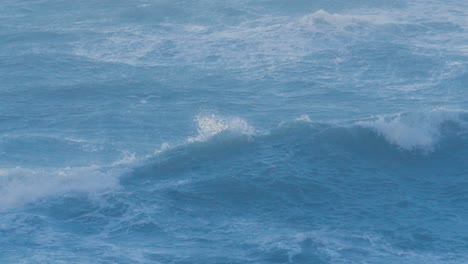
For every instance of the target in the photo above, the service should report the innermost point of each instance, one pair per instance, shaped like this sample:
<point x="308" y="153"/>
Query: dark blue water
<point x="153" y="131"/>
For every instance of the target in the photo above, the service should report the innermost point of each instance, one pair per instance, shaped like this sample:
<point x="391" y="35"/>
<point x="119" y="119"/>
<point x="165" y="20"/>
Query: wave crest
<point x="414" y="131"/>
<point x="210" y="125"/>
<point x="20" y="186"/>
<point x="220" y="138"/>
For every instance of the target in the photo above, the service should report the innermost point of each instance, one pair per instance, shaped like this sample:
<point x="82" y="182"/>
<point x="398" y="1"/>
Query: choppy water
<point x="237" y="131"/>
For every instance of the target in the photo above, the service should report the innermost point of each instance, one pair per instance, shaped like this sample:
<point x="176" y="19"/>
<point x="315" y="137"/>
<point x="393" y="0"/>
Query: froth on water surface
<point x="233" y="132"/>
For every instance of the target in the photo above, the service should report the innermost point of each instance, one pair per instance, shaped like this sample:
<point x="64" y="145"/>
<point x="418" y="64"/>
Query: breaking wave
<point x="218" y="137"/>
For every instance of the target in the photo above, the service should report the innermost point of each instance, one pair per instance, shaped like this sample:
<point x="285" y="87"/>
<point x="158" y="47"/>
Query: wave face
<point x="154" y="131"/>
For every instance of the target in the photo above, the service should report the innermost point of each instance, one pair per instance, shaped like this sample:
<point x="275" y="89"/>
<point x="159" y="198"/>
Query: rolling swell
<point x="422" y="136"/>
<point x="324" y="173"/>
<point x="231" y="185"/>
<point x="303" y="192"/>
<point x="100" y="161"/>
<point x="421" y="141"/>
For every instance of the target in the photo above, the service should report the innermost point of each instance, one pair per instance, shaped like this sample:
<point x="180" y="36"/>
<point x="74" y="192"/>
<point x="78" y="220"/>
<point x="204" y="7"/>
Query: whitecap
<point x="211" y="124"/>
<point x="21" y="185"/>
<point x="413" y="131"/>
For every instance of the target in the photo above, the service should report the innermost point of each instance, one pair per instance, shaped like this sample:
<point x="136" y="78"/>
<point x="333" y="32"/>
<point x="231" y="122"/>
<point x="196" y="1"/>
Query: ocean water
<point x="244" y="131"/>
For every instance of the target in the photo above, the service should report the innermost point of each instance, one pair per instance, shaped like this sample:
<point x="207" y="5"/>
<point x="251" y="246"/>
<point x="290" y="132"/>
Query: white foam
<point x="210" y="125"/>
<point x="265" y="39"/>
<point x="19" y="186"/>
<point x="125" y="48"/>
<point x="270" y="41"/>
<point x="164" y="146"/>
<point x="340" y="21"/>
<point x="336" y="245"/>
<point x="412" y="131"/>
<point x="303" y="118"/>
<point x="194" y="28"/>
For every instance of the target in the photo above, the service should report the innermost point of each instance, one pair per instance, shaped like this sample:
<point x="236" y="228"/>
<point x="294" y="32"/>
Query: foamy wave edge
<point x="20" y="186"/>
<point x="407" y="131"/>
<point x="416" y="131"/>
<point x="420" y="132"/>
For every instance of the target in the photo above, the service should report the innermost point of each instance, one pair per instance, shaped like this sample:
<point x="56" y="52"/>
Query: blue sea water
<point x="266" y="131"/>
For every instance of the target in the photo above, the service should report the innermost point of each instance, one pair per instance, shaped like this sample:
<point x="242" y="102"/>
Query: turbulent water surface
<point x="244" y="131"/>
